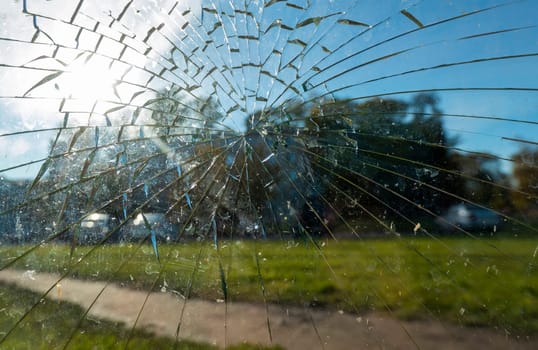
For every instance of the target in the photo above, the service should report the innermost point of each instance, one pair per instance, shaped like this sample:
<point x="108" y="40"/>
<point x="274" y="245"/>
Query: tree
<point x="387" y="153"/>
<point x="117" y="169"/>
<point x="525" y="174"/>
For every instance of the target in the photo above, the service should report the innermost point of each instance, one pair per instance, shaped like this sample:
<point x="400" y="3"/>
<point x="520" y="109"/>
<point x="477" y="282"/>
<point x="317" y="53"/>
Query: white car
<point x="137" y="229"/>
<point x="469" y="218"/>
<point x="94" y="228"/>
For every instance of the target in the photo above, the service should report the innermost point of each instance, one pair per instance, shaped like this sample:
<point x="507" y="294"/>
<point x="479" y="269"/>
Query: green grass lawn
<point x="479" y="282"/>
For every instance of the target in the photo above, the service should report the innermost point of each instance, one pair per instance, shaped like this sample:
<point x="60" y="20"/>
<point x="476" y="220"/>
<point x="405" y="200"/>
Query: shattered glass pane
<point x="285" y="173"/>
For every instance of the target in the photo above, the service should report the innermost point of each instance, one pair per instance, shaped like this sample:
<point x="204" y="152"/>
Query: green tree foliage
<point x="483" y="181"/>
<point x="117" y="169"/>
<point x="526" y="176"/>
<point x="382" y="154"/>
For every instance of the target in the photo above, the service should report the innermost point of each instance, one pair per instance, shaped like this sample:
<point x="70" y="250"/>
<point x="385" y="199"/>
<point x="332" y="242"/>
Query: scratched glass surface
<point x="297" y="174"/>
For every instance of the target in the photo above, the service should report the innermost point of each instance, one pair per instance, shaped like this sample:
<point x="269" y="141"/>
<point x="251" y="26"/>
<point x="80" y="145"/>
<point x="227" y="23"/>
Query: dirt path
<point x="293" y="328"/>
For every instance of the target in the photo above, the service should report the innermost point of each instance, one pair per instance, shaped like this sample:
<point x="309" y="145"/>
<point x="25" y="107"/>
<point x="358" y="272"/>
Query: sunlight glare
<point x="88" y="80"/>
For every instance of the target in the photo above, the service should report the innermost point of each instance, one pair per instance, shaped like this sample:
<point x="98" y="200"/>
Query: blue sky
<point x="507" y="30"/>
